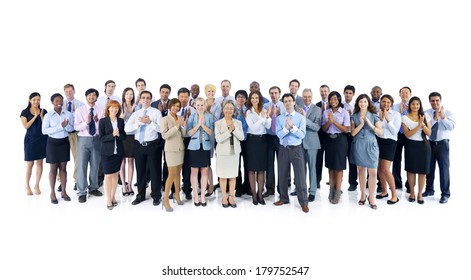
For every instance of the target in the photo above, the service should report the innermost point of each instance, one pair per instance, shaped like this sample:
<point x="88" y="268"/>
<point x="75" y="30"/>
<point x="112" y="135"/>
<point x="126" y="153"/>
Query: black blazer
<point x="107" y="139"/>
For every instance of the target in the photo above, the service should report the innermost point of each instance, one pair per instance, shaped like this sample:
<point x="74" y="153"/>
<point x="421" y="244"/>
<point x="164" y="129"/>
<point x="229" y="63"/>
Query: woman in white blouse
<point x="390" y="124"/>
<point x="416" y="127"/>
<point x="258" y="121"/>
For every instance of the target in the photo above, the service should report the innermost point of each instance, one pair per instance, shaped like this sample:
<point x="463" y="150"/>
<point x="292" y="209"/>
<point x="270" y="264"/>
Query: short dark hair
<point x="165" y="86"/>
<point x="339" y="97"/>
<point x="435" y="94"/>
<point x="183" y="90"/>
<point x="56" y="95"/>
<point x="145" y="91"/>
<point x="243" y="92"/>
<point x="406" y="88"/>
<point x="294" y="81"/>
<point x="91" y="90"/>
<point x="287" y="95"/>
<point x="109" y="82"/>
<point x="140" y="80"/>
<point x="325" y="86"/>
<point x="275" y="87"/>
<point x="349" y="87"/>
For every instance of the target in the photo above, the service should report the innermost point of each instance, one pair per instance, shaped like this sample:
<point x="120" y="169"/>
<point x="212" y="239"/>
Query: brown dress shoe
<point x="278" y="203"/>
<point x="305" y="208"/>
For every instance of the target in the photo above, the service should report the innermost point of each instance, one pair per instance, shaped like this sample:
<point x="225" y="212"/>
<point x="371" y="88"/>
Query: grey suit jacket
<point x="313" y="124"/>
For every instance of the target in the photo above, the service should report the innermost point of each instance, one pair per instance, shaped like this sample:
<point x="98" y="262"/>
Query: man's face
<point x="324" y="91"/>
<point x="405" y="94"/>
<point x="348" y="94"/>
<point x="307" y="97"/>
<point x="241" y="100"/>
<point x="145" y="100"/>
<point x="91" y="98"/>
<point x="376" y="94"/>
<point x="254" y="86"/>
<point x="69" y="93"/>
<point x="293" y="88"/>
<point x="274" y="95"/>
<point x="195" y="91"/>
<point x="164" y="93"/>
<point x="109" y="90"/>
<point x="183" y="97"/>
<point x="140" y="86"/>
<point x="225" y="88"/>
<point x="289" y="104"/>
<point x="435" y="102"/>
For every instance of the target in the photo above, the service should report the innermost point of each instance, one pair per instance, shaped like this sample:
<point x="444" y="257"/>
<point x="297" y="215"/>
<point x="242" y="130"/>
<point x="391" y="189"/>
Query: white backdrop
<point x="46" y="44"/>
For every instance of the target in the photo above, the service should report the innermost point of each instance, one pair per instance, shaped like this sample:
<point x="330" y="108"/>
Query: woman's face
<point x="414" y="106"/>
<point x="199" y="105"/>
<point x="58" y="102"/>
<point x="35" y="101"/>
<point x="129" y="95"/>
<point x="334" y="102"/>
<point x="386" y="104"/>
<point x="113" y="110"/>
<point x="363" y="104"/>
<point x="210" y="93"/>
<point x="254" y="100"/>
<point x="175" y="108"/>
<point x="228" y="110"/>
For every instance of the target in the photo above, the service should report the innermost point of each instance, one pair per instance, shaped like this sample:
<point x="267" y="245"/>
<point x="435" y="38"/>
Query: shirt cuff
<point x="294" y="129"/>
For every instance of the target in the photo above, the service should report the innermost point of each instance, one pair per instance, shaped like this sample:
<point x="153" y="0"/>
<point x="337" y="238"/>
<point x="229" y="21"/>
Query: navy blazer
<point x="107" y="139"/>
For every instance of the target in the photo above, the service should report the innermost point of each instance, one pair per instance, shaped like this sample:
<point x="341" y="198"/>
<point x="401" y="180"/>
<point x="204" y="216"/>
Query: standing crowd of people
<point x="170" y="142"/>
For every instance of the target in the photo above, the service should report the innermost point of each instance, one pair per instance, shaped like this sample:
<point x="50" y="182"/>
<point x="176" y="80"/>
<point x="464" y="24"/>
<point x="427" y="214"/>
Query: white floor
<point x="75" y="240"/>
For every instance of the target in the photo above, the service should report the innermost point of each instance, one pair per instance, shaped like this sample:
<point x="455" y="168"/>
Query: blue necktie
<point x="69" y="106"/>
<point x="91" y="125"/>
<point x="401" y="130"/>
<point x="142" y="129"/>
<point x="183" y="112"/>
<point x="434" y="135"/>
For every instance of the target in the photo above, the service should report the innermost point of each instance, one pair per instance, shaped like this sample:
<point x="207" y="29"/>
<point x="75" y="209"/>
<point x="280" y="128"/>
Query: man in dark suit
<point x="311" y="143"/>
<point x="324" y="91"/>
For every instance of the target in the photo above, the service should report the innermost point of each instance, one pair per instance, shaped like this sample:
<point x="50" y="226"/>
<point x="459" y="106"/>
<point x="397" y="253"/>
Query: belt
<point x="289" y="147"/>
<point x="335" y="135"/>
<point x="147" y="143"/>
<point x="439" y="142"/>
<point x="255" y="135"/>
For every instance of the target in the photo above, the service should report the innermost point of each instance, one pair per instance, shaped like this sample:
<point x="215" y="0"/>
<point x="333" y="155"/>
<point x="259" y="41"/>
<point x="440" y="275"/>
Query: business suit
<point x="320" y="154"/>
<point x="227" y="154"/>
<point x="112" y="149"/>
<point x="173" y="135"/>
<point x="312" y="144"/>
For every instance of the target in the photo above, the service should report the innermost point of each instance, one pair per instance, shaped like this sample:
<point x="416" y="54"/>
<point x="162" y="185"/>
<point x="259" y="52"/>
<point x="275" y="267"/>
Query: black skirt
<point x="111" y="164"/>
<point x="387" y="148"/>
<point x="128" y="145"/>
<point x="199" y="158"/>
<point x="417" y="156"/>
<point x="336" y="149"/>
<point x="57" y="150"/>
<point x="257" y="152"/>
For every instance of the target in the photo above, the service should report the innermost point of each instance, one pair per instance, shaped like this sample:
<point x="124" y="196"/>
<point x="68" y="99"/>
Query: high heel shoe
<point x="254" y="200"/>
<point x="230" y="204"/>
<point x="114" y="203"/>
<point x="168" y="209"/>
<point x="372" y="206"/>
<point x="420" y="201"/>
<point x="261" y="200"/>
<point x="124" y="193"/>
<point x="380" y="196"/>
<point x="109" y="207"/>
<point x="225" y="205"/>
<point x="54" y="201"/>
<point x="362" y="202"/>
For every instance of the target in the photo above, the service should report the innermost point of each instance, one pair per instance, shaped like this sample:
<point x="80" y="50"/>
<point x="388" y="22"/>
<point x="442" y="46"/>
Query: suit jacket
<point x="299" y="101"/>
<point x="155" y="104"/>
<point x="313" y="125"/>
<point x="172" y="135"/>
<point x="321" y="132"/>
<point x="108" y="140"/>
<point x="194" y="144"/>
<point x="223" y="137"/>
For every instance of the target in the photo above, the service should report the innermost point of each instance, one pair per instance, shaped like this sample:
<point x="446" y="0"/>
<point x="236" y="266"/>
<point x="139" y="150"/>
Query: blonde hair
<point x="210" y="87"/>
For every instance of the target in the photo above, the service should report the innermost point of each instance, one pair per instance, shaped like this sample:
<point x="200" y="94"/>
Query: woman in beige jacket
<point x="229" y="133"/>
<point x="173" y="129"/>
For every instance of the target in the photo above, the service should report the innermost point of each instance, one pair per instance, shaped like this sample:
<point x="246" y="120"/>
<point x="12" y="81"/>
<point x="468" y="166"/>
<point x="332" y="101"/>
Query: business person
<point x="112" y="136"/>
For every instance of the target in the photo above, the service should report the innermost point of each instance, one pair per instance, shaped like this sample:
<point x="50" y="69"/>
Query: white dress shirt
<point x="152" y="129"/>
<point x="256" y="123"/>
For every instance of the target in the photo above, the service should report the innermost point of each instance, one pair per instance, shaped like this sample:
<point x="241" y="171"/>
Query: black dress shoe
<point x="352" y="188"/>
<point x="54" y="201"/>
<point x="75" y="186"/>
<point x="293" y="193"/>
<point x="156" y="201"/>
<point x="428" y="193"/>
<point x="59" y="188"/>
<point x="216" y="186"/>
<point x="188" y="196"/>
<point x="66" y="197"/>
<point x="82" y="199"/>
<point x="137" y="200"/>
<point x="267" y="194"/>
<point x="238" y="194"/>
<point x="390" y="202"/>
<point x="261" y="200"/>
<point x="379" y="196"/>
<point x="443" y="199"/>
<point x="96" y="193"/>
<point x="420" y="201"/>
<point x="312" y="197"/>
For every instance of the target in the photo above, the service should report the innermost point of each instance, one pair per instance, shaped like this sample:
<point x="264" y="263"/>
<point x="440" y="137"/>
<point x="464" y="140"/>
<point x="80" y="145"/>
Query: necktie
<point x="273" y="119"/>
<point x="183" y="112"/>
<point x="91" y="125"/>
<point x="108" y="101"/>
<point x="404" y="106"/>
<point x="434" y="135"/>
<point x="142" y="129"/>
<point x="69" y="106"/>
